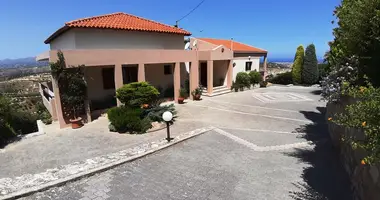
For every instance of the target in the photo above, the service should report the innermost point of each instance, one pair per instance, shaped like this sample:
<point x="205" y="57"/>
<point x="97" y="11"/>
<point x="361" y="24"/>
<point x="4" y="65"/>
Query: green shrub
<point x="43" y="114"/>
<point x="243" y="80"/>
<point x="282" y="78"/>
<point x="310" y="74"/>
<point x="255" y="77"/>
<point x="324" y="70"/>
<point x="235" y="86"/>
<point x="154" y="113"/>
<point x="23" y="122"/>
<point x="14" y="121"/>
<point x="297" y="65"/>
<point x="126" y="119"/>
<point x="6" y="132"/>
<point x="136" y="94"/>
<point x="363" y="115"/>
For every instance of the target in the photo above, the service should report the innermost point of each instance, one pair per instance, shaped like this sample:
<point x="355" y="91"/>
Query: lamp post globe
<point x="167" y="116"/>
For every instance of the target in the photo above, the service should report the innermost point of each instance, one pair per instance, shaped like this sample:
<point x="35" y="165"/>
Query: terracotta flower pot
<point x="180" y="100"/>
<point x="197" y="97"/>
<point x="76" y="123"/>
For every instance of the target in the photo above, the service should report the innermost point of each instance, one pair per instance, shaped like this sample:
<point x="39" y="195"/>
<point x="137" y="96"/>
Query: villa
<point x="120" y="48"/>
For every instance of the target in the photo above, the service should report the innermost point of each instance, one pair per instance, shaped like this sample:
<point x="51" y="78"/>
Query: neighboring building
<point x="119" y="48"/>
<point x="246" y="57"/>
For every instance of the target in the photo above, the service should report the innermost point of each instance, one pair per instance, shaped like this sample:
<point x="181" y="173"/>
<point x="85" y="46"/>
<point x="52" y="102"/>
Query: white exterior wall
<point x="116" y="39"/>
<point x="64" y="41"/>
<point x="240" y="65"/>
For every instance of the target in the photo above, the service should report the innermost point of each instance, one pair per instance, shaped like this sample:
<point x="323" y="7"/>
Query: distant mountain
<point x="21" y="62"/>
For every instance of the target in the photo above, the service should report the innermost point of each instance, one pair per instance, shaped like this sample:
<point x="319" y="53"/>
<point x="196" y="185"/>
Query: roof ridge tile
<point x="93" y="17"/>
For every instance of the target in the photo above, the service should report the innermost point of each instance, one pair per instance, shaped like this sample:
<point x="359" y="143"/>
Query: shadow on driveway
<point x="325" y="178"/>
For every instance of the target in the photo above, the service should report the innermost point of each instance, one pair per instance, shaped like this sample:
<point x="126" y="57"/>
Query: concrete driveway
<point x="267" y="144"/>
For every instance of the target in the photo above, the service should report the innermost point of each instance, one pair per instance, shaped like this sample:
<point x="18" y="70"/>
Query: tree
<point x="357" y="38"/>
<point x="297" y="65"/>
<point x="136" y="94"/>
<point x="310" y="74"/>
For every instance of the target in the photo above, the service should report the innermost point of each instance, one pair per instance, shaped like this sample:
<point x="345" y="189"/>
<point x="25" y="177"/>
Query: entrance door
<point x="130" y="74"/>
<point x="204" y="74"/>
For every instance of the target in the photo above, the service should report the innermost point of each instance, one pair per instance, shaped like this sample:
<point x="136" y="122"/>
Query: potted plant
<point x="235" y="86"/>
<point x="73" y="95"/>
<point x="197" y="93"/>
<point x="182" y="95"/>
<point x="72" y="88"/>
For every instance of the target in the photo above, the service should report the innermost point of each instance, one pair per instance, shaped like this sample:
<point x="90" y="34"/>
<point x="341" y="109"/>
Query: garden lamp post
<point x="168" y="116"/>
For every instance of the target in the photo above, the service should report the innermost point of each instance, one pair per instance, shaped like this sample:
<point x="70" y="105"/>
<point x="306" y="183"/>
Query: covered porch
<point x="107" y="70"/>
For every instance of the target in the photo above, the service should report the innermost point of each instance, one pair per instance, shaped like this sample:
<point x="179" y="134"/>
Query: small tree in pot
<point x="182" y="95"/>
<point x="72" y="88"/>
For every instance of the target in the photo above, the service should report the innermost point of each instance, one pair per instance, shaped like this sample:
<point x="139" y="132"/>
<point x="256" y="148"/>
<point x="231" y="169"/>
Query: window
<point x="108" y="78"/>
<point x="248" y="66"/>
<point x="168" y="69"/>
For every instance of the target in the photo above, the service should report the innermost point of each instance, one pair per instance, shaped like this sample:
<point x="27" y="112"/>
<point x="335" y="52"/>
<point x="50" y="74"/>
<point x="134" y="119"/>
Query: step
<point x="217" y="91"/>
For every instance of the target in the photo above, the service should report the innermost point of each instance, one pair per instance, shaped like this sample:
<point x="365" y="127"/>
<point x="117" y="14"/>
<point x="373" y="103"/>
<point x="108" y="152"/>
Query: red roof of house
<point x="121" y="21"/>
<point x="236" y="46"/>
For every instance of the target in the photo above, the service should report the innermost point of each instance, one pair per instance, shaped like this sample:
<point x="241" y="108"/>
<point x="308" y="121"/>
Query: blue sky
<point x="275" y="25"/>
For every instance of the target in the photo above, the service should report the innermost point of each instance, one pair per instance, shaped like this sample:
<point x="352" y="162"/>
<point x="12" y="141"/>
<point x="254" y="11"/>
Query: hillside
<point x="21" y="62"/>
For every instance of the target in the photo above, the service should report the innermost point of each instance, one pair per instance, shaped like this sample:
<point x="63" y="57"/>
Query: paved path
<point x="268" y="144"/>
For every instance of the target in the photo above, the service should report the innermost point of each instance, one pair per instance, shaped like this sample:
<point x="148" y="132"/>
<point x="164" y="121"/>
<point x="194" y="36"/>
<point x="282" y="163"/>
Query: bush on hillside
<point x="310" y="74"/>
<point x="243" y="80"/>
<point x="137" y="94"/>
<point x="282" y="78"/>
<point x="23" y="122"/>
<point x="125" y="119"/>
<point x="14" y="121"/>
<point x="255" y="77"/>
<point x="297" y="65"/>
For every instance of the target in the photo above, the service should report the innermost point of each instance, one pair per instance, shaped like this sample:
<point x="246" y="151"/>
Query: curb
<point x="35" y="189"/>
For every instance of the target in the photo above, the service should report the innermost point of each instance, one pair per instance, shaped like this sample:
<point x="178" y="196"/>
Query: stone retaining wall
<point x="365" y="179"/>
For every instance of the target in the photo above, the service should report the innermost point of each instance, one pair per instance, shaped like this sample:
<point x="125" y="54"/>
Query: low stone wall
<point x="365" y="179"/>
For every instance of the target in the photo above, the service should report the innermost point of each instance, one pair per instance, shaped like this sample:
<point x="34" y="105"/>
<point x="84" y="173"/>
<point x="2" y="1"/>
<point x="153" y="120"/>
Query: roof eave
<point x="56" y="34"/>
<point x="65" y="28"/>
<point x="257" y="52"/>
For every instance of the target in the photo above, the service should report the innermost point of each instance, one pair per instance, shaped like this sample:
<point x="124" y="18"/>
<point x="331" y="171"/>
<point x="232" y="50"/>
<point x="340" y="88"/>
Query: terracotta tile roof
<point x="121" y="21"/>
<point x="236" y="46"/>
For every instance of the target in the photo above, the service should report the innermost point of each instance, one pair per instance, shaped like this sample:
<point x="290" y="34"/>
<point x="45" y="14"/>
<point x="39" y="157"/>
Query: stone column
<point x="265" y="67"/>
<point x="210" y="76"/>
<point x="118" y="79"/>
<point x="194" y="76"/>
<point x="141" y="72"/>
<point x="230" y="73"/>
<point x="177" y="80"/>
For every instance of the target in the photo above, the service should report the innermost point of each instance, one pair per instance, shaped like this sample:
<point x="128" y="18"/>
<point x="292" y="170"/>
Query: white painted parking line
<point x="265" y="148"/>
<point x="253" y="114"/>
<point x="274" y="97"/>
<point x="260" y="107"/>
<point x="260" y="130"/>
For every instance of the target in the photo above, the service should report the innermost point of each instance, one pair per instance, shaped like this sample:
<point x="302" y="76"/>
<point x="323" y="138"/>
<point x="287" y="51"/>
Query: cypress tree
<point x="297" y="65"/>
<point x="310" y="73"/>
